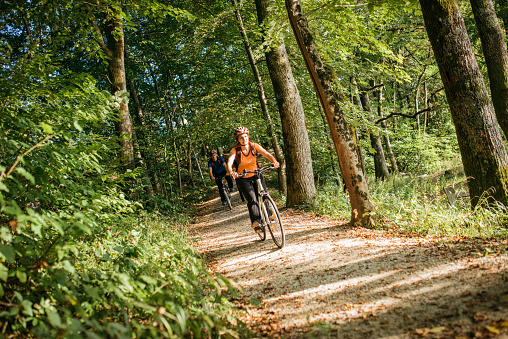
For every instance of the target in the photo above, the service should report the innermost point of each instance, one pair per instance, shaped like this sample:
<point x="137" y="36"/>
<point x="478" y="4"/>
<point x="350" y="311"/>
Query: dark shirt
<point x="217" y="166"/>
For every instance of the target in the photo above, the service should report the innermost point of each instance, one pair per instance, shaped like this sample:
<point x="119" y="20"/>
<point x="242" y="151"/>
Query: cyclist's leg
<point x="230" y="182"/>
<point x="247" y="187"/>
<point x="240" y="191"/>
<point x="218" y="181"/>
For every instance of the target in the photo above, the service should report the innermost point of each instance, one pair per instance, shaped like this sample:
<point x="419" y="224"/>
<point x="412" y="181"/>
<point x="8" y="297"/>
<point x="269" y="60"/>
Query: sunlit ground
<point x="334" y="281"/>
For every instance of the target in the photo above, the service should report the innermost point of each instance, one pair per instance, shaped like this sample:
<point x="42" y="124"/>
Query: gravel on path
<point x="335" y="281"/>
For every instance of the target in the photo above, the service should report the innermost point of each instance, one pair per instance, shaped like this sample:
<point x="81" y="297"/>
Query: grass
<point x="418" y="205"/>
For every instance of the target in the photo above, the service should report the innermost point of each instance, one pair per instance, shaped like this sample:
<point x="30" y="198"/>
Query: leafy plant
<point x="77" y="258"/>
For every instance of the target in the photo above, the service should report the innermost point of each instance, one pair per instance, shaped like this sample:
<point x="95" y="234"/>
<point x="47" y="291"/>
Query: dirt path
<point x="333" y="281"/>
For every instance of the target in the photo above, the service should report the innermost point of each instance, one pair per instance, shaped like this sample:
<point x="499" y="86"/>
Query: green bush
<point x="427" y="153"/>
<point x="77" y="258"/>
<point x="418" y="205"/>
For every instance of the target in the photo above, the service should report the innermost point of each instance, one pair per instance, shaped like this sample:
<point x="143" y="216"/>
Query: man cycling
<point x="244" y="156"/>
<point x="217" y="170"/>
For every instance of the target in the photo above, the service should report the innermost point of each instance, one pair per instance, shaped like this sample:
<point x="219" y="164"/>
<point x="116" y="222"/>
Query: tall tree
<point x="496" y="57"/>
<point x="380" y="168"/>
<point x="483" y="153"/>
<point x="363" y="102"/>
<point x="262" y="101"/>
<point x="114" y="49"/>
<point x="386" y="138"/>
<point x="300" y="176"/>
<point x="321" y="75"/>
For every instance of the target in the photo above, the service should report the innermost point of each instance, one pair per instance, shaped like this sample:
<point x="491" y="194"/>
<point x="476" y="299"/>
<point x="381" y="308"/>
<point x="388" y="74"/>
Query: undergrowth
<point x="418" y="205"/>
<point x="79" y="258"/>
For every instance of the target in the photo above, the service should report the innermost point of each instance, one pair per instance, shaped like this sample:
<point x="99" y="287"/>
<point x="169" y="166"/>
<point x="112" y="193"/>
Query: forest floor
<point x="336" y="281"/>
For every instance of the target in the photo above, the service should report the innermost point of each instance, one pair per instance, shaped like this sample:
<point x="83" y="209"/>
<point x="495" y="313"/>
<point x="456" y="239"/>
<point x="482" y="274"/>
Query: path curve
<point x="334" y="281"/>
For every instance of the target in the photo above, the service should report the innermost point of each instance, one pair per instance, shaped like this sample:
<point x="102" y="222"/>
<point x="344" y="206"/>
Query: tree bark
<point x="352" y="130"/>
<point x="262" y="100"/>
<point x="496" y="57"/>
<point x="169" y="123"/>
<point x="361" y="205"/>
<point x="116" y="70"/>
<point x="300" y="176"/>
<point x="483" y="153"/>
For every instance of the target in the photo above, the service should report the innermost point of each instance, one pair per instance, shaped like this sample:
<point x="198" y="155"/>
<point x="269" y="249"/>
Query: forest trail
<point x="334" y="281"/>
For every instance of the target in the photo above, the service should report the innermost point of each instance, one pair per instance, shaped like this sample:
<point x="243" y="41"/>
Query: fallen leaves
<point x="424" y="331"/>
<point x="496" y="328"/>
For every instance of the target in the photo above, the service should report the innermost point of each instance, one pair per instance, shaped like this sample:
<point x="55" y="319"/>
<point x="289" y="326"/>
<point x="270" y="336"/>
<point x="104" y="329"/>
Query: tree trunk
<point x="380" y="168"/>
<point x="189" y="159"/>
<point x="352" y="130"/>
<point x="300" y="176"/>
<point x="262" y="101"/>
<point x="386" y="139"/>
<point x="116" y="70"/>
<point x="361" y="205"/>
<point x="149" y="165"/>
<point x="483" y="154"/>
<point x="330" y="148"/>
<point x="496" y="57"/>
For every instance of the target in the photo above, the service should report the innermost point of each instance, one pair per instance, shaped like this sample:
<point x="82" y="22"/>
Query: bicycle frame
<point x="270" y="216"/>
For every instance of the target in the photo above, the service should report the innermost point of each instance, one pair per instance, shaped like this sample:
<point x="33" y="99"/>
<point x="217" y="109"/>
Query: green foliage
<point x="77" y="258"/>
<point x="427" y="153"/>
<point x="418" y="205"/>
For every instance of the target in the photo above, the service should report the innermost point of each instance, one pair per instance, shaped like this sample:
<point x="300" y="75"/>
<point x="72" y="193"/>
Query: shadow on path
<point x="333" y="281"/>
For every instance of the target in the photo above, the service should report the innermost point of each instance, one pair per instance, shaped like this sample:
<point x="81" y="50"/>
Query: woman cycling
<point x="243" y="156"/>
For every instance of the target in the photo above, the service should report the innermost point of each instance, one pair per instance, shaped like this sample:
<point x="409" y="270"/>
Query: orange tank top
<point x="247" y="162"/>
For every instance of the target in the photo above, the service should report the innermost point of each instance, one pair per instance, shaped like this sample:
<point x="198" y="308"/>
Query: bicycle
<point x="225" y="190"/>
<point x="270" y="216"/>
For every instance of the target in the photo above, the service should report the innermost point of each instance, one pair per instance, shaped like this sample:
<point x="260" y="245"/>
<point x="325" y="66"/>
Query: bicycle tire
<point x="262" y="234"/>
<point x="228" y="197"/>
<point x="273" y="221"/>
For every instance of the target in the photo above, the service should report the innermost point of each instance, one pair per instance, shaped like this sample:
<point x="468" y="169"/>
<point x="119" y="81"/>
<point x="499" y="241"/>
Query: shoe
<point x="257" y="227"/>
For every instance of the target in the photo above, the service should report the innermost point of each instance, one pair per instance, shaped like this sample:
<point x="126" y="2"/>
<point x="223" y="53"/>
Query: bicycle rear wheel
<point x="273" y="221"/>
<point x="228" y="197"/>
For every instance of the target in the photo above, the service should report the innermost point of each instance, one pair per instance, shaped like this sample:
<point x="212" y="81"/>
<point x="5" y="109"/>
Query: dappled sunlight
<point x="327" y="289"/>
<point x="356" y="278"/>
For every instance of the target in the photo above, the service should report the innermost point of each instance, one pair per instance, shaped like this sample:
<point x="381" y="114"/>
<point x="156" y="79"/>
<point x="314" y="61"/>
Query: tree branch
<point x="372" y="88"/>
<point x="428" y="109"/>
<point x="100" y="39"/>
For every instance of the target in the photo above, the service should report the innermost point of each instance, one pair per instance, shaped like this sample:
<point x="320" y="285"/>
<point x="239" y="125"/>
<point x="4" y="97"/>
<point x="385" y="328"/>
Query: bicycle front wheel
<point x="262" y="234"/>
<point x="273" y="221"/>
<point x="228" y="197"/>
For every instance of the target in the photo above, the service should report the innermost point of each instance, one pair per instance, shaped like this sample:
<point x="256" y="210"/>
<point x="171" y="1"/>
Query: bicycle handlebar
<point x="258" y="171"/>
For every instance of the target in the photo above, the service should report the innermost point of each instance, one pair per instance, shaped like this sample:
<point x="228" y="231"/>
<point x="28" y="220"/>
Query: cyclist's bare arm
<point x="229" y="165"/>
<point x="211" y="174"/>
<point x="267" y="155"/>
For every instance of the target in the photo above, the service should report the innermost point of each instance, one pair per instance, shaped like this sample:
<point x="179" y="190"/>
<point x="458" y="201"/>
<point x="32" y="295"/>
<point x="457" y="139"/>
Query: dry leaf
<point x="437" y="329"/>
<point x="492" y="329"/>
<point x="422" y="331"/>
<point x="480" y="317"/>
<point x="14" y="225"/>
